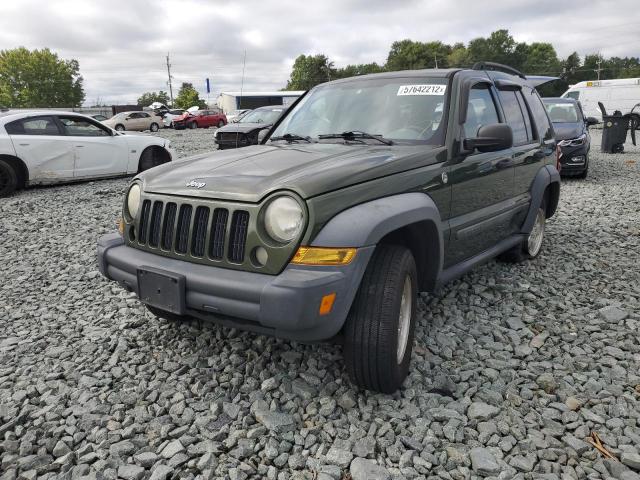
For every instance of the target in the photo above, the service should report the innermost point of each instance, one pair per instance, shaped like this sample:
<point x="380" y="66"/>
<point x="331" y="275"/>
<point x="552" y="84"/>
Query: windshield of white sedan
<point x="408" y="110"/>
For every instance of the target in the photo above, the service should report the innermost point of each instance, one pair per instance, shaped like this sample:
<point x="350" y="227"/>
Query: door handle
<point x="80" y="146"/>
<point x="24" y="144"/>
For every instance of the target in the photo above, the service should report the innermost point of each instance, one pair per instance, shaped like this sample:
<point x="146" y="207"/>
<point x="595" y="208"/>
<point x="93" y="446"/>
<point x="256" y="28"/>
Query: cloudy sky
<point x="121" y="44"/>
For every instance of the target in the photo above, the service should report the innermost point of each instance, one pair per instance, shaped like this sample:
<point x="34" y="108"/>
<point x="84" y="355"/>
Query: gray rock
<point x="547" y="382"/>
<point x="173" y="448"/>
<point x="339" y="457"/>
<point x="523" y="463"/>
<point x="145" y="459"/>
<point x="161" y="472"/>
<point x="631" y="459"/>
<point x="483" y="462"/>
<point x="577" y="444"/>
<point x="275" y="421"/>
<point x="612" y="314"/>
<point x="594" y="417"/>
<point x="130" y="472"/>
<point x="482" y="411"/>
<point x="362" y="469"/>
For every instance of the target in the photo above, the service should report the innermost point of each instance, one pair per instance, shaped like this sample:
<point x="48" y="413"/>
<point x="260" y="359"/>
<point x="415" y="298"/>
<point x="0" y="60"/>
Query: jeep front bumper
<point x="285" y="305"/>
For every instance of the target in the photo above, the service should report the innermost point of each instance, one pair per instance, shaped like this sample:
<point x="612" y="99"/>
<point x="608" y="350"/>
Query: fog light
<point x="324" y="256"/>
<point x="260" y="256"/>
<point x="579" y="160"/>
<point x="327" y="304"/>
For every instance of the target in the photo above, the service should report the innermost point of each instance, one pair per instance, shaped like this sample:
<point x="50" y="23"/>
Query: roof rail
<point x="498" y="67"/>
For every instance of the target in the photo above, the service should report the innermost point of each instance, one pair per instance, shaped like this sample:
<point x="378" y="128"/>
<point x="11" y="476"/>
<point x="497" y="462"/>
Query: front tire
<point x="379" y="331"/>
<point x="120" y="127"/>
<point x="154" y="127"/>
<point x="193" y="125"/>
<point x="9" y="179"/>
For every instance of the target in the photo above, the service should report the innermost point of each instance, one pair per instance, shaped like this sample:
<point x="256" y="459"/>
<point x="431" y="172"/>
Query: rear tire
<point x="220" y="124"/>
<point x="9" y="179"/>
<point x="531" y="246"/>
<point x="172" y="317"/>
<point x="154" y="127"/>
<point x="378" y="333"/>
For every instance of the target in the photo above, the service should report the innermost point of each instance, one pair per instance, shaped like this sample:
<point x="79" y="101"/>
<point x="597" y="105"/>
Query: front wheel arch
<point x="153" y="156"/>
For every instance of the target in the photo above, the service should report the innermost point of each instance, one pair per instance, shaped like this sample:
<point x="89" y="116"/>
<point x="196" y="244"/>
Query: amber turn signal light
<point x="324" y="256"/>
<point x="120" y="224"/>
<point x="327" y="304"/>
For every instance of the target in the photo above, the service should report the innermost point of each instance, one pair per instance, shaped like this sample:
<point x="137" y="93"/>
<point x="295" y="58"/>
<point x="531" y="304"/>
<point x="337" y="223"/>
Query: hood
<point x="249" y="174"/>
<point x="566" y="131"/>
<point x="243" y="127"/>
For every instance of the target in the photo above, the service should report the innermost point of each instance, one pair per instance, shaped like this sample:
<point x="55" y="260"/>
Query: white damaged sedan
<point x="44" y="147"/>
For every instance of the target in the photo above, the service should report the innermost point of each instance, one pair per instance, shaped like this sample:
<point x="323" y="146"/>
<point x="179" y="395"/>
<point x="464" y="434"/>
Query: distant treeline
<point x="537" y="58"/>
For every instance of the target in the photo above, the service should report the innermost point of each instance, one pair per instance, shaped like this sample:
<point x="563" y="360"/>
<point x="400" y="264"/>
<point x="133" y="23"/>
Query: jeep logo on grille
<point x="195" y="184"/>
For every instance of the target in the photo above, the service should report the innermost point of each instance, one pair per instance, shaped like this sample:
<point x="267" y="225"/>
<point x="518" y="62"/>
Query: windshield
<point x="399" y="109"/>
<point x="262" y="116"/>
<point x="562" y="112"/>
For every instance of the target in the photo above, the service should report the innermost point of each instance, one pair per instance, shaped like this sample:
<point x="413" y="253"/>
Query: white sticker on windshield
<point x="422" y="90"/>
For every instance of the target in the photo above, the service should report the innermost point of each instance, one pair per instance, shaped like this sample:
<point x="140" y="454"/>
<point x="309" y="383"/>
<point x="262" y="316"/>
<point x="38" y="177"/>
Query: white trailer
<point x="230" y="101"/>
<point x="620" y="94"/>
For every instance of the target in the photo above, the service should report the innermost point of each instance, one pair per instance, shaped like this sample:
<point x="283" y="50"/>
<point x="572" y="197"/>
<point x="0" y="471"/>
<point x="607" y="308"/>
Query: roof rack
<point x="498" y="67"/>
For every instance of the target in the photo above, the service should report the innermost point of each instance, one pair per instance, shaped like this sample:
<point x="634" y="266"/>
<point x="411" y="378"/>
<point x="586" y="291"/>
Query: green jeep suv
<point x="367" y="191"/>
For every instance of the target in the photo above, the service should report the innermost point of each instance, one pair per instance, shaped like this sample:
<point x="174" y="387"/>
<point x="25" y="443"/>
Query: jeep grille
<point x="193" y="231"/>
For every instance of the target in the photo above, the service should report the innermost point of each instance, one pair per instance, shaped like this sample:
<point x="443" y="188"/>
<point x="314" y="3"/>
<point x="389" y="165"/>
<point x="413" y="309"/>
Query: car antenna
<point x="244" y="64"/>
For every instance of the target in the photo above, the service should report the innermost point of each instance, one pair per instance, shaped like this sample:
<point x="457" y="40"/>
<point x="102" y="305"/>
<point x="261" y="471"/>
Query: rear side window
<point x="539" y="113"/>
<point x="514" y="116"/>
<point x="574" y="95"/>
<point x="33" y="126"/>
<point x="480" y="111"/>
<point x="527" y="117"/>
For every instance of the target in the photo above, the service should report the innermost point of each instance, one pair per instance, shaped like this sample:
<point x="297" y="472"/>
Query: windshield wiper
<point x="291" y="137"/>
<point x="356" y="135"/>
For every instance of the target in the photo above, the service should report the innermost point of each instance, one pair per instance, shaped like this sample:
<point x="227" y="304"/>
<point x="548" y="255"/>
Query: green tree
<point x="188" y="97"/>
<point x="499" y="47"/>
<point x="411" y="55"/>
<point x="309" y="71"/>
<point x="354" y="70"/>
<point x="39" y="78"/>
<point x="148" y="98"/>
<point x="459" y="56"/>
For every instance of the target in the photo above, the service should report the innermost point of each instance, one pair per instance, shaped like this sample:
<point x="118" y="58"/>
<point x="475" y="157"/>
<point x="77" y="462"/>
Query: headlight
<point x="283" y="219"/>
<point x="573" y="142"/>
<point x="133" y="200"/>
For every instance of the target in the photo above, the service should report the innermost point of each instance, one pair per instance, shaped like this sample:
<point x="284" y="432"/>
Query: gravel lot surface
<point x="514" y="365"/>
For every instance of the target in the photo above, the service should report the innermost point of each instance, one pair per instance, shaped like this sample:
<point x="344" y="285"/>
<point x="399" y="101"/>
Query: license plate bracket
<point x="161" y="289"/>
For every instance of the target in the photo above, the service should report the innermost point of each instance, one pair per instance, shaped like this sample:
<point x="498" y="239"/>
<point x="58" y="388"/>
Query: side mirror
<point x="591" y="121"/>
<point x="491" y="138"/>
<point x="262" y="134"/>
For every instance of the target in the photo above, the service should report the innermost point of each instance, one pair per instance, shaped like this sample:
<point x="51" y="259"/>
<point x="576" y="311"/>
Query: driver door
<point x="482" y="185"/>
<point x="98" y="153"/>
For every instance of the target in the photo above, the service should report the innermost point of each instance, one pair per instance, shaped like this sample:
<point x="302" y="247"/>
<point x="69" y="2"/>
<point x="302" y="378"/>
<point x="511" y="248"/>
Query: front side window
<point x="79" y="127"/>
<point x="33" y="126"/>
<point x="514" y="116"/>
<point x="481" y="110"/>
<point x="408" y="109"/>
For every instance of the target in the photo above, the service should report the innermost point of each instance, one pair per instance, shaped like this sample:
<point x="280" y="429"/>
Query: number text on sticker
<point x="422" y="89"/>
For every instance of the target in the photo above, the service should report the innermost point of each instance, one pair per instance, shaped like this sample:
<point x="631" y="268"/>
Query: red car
<point x="200" y="119"/>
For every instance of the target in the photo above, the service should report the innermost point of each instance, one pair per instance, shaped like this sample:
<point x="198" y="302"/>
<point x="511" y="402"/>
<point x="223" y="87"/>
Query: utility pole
<point x="435" y="57"/>
<point x="169" y="73"/>
<point x="599" y="69"/>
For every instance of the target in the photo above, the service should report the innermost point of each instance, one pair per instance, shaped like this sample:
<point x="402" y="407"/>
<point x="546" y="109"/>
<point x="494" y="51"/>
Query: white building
<point x="230" y="101"/>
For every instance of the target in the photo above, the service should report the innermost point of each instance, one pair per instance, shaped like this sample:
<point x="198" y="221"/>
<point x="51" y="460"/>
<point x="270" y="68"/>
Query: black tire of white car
<point x="8" y="178"/>
<point x="147" y="160"/>
<point x="154" y="127"/>
<point x="120" y="127"/>
<point x="378" y="333"/>
<point x="531" y="246"/>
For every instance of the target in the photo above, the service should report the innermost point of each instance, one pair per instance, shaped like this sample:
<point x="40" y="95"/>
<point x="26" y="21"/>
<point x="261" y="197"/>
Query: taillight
<point x="558" y="155"/>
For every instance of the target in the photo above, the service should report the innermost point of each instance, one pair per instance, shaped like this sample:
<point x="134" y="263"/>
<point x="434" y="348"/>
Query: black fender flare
<point x="546" y="176"/>
<point x="368" y="223"/>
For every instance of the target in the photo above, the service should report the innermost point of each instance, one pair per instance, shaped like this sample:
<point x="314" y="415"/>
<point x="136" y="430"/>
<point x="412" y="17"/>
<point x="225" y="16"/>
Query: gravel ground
<point x="514" y="365"/>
